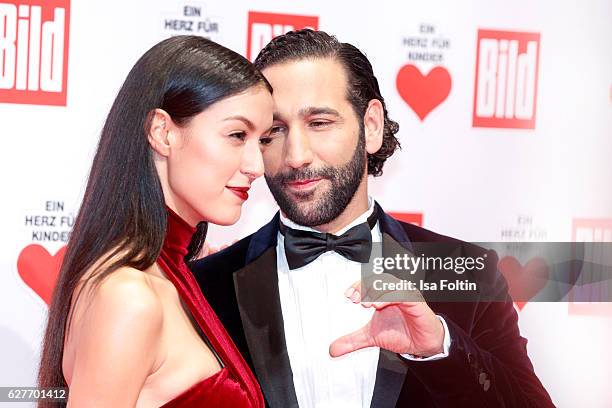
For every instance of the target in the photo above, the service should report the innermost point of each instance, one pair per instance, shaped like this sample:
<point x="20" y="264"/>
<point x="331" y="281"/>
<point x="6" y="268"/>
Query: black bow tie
<point x="303" y="247"/>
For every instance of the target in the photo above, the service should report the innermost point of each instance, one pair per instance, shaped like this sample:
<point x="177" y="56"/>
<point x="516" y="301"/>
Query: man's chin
<point x="303" y="206"/>
<point x="306" y="212"/>
<point x="298" y="198"/>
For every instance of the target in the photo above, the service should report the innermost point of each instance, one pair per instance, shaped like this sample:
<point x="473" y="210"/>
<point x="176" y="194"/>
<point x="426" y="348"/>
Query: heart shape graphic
<point x="411" y="218"/>
<point x="40" y="270"/>
<point x="423" y="93"/>
<point x="524" y="282"/>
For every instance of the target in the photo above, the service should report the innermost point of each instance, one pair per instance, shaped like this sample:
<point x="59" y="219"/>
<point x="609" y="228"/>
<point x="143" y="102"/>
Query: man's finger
<point x="387" y="294"/>
<point x="354" y="292"/>
<point x="350" y="342"/>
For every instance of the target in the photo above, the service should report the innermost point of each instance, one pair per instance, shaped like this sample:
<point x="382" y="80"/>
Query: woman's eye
<point x="238" y="135"/>
<point x="266" y="140"/>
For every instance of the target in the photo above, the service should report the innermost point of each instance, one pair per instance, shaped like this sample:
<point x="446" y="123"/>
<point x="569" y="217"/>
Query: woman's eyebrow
<point x="247" y="122"/>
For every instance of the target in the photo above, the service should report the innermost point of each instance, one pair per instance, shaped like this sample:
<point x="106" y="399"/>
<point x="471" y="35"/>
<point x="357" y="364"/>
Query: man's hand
<point x="209" y="250"/>
<point x="400" y="327"/>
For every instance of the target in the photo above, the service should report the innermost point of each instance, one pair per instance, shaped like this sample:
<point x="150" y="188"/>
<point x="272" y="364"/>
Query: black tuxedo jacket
<point x="487" y="364"/>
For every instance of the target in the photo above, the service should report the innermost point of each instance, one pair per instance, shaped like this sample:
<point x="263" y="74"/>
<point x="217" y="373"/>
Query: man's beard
<point x="345" y="181"/>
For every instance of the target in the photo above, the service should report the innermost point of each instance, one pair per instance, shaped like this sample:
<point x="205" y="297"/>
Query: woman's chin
<point x="229" y="218"/>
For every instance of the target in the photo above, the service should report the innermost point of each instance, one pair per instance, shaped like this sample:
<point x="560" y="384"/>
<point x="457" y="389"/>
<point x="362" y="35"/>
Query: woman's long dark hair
<point x="122" y="219"/>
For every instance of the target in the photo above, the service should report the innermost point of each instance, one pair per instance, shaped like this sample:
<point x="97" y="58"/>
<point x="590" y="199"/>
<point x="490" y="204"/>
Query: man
<point x="287" y="294"/>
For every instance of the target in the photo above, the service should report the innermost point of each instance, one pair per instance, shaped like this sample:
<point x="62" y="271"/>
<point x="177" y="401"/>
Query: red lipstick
<point x="241" y="192"/>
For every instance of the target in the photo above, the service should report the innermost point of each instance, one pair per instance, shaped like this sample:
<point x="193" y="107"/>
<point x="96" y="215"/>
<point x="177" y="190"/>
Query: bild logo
<point x="263" y="27"/>
<point x="506" y="79"/>
<point x="34" y="51"/>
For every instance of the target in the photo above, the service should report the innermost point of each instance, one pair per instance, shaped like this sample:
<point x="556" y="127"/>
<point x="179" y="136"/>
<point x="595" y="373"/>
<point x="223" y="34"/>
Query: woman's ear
<point x="374" y="124"/>
<point x="159" y="131"/>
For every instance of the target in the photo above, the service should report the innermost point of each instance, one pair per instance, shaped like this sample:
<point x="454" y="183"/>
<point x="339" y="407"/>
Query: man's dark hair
<point x="362" y="84"/>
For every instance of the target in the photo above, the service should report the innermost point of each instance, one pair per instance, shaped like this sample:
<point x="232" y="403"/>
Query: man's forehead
<point x="306" y="72"/>
<point x="308" y="87"/>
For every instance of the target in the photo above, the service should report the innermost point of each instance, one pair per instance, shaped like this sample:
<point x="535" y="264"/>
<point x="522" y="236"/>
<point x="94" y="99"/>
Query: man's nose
<point x="298" y="150"/>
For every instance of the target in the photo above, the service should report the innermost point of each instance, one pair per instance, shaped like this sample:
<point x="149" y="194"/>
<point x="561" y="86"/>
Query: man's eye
<point x="319" y="123"/>
<point x="276" y="129"/>
<point x="238" y="135"/>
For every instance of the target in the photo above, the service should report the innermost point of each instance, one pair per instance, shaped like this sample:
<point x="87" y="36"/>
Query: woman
<point x="128" y="325"/>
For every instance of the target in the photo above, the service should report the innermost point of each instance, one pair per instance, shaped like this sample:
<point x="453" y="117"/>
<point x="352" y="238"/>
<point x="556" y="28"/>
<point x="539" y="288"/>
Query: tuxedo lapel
<point x="396" y="241"/>
<point x="391" y="371"/>
<point x="260" y="311"/>
<point x="393" y="228"/>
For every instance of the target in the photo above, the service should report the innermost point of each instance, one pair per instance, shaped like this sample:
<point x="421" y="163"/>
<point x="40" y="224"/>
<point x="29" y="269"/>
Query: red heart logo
<point x="40" y="270"/>
<point x="423" y="93"/>
<point x="524" y="282"/>
<point x="411" y="218"/>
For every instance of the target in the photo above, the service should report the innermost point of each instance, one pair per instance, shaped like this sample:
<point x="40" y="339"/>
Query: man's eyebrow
<point x="247" y="122"/>
<point x="308" y="111"/>
<point x="317" y="110"/>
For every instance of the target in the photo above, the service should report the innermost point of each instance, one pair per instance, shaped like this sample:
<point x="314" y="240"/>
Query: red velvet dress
<point x="233" y="386"/>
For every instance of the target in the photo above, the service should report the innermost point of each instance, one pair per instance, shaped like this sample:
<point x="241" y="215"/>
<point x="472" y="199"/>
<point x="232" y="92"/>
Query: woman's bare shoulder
<point x="118" y="337"/>
<point x="126" y="293"/>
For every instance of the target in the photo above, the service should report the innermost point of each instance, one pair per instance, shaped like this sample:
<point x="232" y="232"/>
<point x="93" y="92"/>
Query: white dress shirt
<point x="315" y="313"/>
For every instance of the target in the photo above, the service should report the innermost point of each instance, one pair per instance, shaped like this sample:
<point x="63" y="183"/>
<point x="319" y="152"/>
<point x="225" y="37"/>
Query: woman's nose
<point x="252" y="161"/>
